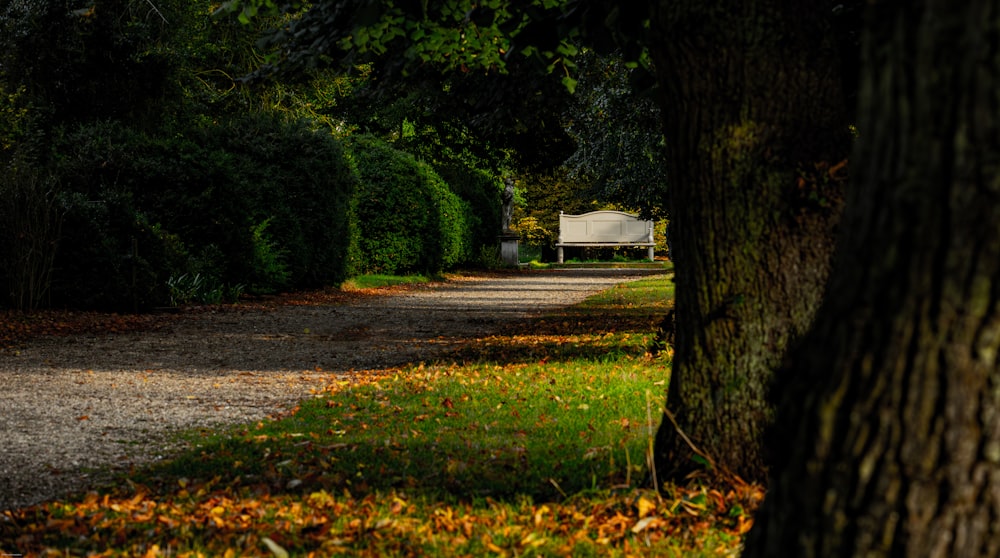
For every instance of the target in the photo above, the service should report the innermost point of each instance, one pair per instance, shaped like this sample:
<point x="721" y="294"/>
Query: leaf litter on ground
<point x="529" y="442"/>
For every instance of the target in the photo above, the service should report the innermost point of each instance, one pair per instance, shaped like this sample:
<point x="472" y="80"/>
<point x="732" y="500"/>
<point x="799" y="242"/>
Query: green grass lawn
<point x="526" y="443"/>
<point x="364" y="282"/>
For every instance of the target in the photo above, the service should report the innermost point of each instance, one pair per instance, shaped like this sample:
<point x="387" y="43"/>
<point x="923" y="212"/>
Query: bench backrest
<point x="604" y="226"/>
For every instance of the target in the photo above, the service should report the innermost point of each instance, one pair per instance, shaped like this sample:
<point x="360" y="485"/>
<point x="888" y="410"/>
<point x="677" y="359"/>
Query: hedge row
<point x="253" y="206"/>
<point x="409" y="219"/>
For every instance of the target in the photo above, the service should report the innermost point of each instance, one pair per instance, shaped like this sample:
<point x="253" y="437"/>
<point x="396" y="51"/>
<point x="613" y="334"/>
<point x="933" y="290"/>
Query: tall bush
<point x="110" y="257"/>
<point x="30" y="221"/>
<point x="409" y="220"/>
<point x="481" y="190"/>
<point x="474" y="176"/>
<point x="257" y="203"/>
<point x="302" y="186"/>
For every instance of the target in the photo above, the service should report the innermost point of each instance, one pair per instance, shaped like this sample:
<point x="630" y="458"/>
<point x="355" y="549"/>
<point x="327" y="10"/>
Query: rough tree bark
<point x="757" y="147"/>
<point x="890" y="431"/>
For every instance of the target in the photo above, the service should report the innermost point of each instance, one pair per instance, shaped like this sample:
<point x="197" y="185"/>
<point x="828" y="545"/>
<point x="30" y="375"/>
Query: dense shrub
<point x="257" y="204"/>
<point x="468" y="175"/>
<point x="30" y="219"/>
<point x="409" y="220"/>
<point x="481" y="190"/>
<point x="302" y="187"/>
<point x="109" y="256"/>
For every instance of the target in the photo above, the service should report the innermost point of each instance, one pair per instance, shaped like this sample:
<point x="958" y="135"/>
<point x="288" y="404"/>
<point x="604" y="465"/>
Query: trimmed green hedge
<point x="253" y="205"/>
<point x="408" y="218"/>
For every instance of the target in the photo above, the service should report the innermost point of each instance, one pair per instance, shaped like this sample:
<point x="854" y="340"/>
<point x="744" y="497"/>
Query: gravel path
<point x="75" y="410"/>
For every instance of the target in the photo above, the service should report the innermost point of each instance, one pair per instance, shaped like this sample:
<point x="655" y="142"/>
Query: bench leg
<point x="651" y="249"/>
<point x="559" y="254"/>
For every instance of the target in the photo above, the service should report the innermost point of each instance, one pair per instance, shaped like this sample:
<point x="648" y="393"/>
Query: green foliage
<point x="113" y="258"/>
<point x="187" y="289"/>
<point x="472" y="175"/>
<point x="15" y="114"/>
<point x="364" y="282"/>
<point x="98" y="60"/>
<point x="452" y="35"/>
<point x="532" y="232"/>
<point x="355" y="30"/>
<point x="188" y="190"/>
<point x="30" y="223"/>
<point x="301" y="183"/>
<point x="490" y="257"/>
<point x="545" y="195"/>
<point x="480" y="189"/>
<point x="619" y="139"/>
<point x="269" y="259"/>
<point x="408" y="218"/>
<point x="255" y="202"/>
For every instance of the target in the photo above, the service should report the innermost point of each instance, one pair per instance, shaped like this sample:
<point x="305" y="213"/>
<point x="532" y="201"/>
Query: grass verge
<point x="531" y="442"/>
<point x="366" y="282"/>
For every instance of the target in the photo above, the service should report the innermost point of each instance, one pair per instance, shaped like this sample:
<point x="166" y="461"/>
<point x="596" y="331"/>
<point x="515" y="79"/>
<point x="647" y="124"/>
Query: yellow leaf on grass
<point x="646" y="506"/>
<point x="532" y="540"/>
<point x="539" y="513"/>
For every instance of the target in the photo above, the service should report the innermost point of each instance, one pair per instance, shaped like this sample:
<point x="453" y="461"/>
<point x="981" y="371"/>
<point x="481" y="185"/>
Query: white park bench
<point x="604" y="228"/>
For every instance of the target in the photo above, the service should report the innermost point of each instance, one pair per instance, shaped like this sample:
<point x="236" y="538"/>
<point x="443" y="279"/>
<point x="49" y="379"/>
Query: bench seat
<point x="604" y="229"/>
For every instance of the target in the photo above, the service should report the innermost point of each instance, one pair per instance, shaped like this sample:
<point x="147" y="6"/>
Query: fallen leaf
<point x="274" y="547"/>
<point x="642" y="524"/>
<point x="645" y="506"/>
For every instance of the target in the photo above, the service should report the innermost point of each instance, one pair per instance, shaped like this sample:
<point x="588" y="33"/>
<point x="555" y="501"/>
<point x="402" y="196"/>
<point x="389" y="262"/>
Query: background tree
<point x="61" y="66"/>
<point x="615" y="123"/>
<point x="544" y="195"/>
<point x="99" y="60"/>
<point x="889" y="438"/>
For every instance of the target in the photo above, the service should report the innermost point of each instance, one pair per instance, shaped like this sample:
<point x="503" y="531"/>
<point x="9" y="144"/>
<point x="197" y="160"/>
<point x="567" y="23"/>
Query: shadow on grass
<point x="574" y="334"/>
<point x="457" y="432"/>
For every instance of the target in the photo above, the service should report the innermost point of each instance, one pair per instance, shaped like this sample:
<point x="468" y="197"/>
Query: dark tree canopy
<point x="98" y="61"/>
<point x="619" y="137"/>
<point x="451" y="35"/>
<point x="519" y="112"/>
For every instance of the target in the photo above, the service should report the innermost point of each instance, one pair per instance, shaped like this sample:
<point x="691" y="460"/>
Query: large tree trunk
<point x="757" y="142"/>
<point x="890" y="431"/>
